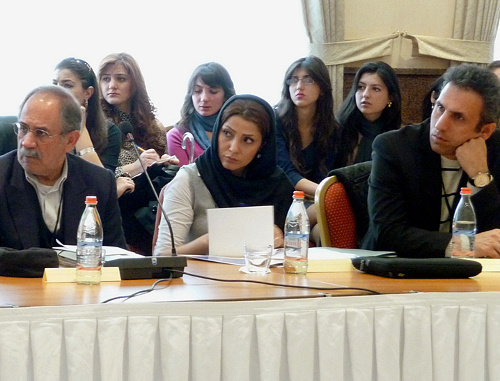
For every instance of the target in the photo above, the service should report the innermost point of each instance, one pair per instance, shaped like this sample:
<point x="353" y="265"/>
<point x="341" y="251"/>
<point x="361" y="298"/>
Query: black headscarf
<point x="264" y="182"/>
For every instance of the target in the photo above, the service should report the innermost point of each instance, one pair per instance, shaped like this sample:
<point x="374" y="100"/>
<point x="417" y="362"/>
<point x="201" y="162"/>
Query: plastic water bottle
<point x="296" y="236"/>
<point x="464" y="226"/>
<point x="89" y="251"/>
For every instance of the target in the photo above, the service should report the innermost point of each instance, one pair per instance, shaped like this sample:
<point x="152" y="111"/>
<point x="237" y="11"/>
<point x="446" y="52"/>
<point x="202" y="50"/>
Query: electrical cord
<point x="280" y="284"/>
<point x="142" y="292"/>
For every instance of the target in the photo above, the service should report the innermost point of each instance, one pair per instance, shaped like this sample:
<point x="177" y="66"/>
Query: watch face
<point x="482" y="180"/>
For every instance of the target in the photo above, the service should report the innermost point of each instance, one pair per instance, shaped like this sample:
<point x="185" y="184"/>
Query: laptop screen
<point x="229" y="229"/>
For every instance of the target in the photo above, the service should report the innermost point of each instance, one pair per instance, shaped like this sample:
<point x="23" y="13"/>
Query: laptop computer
<point x="229" y="229"/>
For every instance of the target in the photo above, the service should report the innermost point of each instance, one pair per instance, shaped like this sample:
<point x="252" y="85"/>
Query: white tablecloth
<point x="434" y="336"/>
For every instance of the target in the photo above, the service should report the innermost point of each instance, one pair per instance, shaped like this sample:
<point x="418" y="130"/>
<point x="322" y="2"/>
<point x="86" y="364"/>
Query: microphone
<point x="126" y="129"/>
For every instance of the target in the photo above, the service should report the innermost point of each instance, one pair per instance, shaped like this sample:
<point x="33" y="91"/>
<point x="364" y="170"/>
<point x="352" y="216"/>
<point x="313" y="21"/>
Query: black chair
<point x="8" y="138"/>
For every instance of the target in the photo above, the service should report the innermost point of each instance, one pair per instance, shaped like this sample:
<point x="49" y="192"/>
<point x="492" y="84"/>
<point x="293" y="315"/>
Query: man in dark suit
<point x="43" y="187"/>
<point x="418" y="171"/>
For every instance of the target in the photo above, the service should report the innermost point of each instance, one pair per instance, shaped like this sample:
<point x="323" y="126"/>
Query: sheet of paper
<point x="317" y="253"/>
<point x="332" y="259"/>
<point x="489" y="264"/>
<point x="112" y="252"/>
<point x="276" y="259"/>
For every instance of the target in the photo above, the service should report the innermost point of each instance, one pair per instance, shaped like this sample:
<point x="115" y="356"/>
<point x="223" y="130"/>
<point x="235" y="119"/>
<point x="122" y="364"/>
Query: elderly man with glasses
<point x="42" y="186"/>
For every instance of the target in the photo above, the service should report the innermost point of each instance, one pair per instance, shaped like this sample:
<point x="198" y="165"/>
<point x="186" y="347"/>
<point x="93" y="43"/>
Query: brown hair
<point x="249" y="110"/>
<point x="143" y="112"/>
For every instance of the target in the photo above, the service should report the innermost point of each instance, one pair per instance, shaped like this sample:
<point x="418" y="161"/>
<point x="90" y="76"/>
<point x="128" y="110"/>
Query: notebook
<point x="229" y="229"/>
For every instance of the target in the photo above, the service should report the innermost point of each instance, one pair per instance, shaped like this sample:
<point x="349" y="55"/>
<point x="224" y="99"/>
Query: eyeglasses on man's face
<point x="40" y="135"/>
<point x="294" y="81"/>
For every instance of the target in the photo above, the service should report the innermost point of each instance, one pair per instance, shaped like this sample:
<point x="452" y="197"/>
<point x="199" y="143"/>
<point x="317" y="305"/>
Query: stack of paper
<point x="332" y="259"/>
<point x="112" y="252"/>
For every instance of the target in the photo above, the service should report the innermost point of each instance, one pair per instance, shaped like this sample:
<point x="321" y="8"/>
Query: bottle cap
<point x="91" y="200"/>
<point x="298" y="194"/>
<point x="464" y="190"/>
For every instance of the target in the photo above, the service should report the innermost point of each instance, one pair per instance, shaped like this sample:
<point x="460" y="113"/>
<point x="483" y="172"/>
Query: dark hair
<point x="494" y="65"/>
<point x="212" y="74"/>
<point x="481" y="81"/>
<point x="95" y="121"/>
<point x="251" y="111"/>
<point x="325" y="126"/>
<point x="350" y="118"/>
<point x="142" y="110"/>
<point x="434" y="91"/>
<point x="70" y="114"/>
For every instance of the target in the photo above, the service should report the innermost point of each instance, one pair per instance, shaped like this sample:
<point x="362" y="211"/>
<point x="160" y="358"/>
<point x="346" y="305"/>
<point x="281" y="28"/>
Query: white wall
<point x="255" y="40"/>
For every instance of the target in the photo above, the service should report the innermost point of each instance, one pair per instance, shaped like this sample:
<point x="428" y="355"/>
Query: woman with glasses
<point x="99" y="141"/>
<point x="306" y="124"/>
<point x="306" y="127"/>
<point x="209" y="87"/>
<point x="372" y="106"/>
<point x="239" y="168"/>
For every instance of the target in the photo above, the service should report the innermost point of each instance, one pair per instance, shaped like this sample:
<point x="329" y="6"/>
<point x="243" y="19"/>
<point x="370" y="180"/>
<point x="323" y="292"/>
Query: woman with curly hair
<point x="125" y="99"/>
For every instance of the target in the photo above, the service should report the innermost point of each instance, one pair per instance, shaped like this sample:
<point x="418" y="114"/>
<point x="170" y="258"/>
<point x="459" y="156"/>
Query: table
<point x="198" y="329"/>
<point x="34" y="292"/>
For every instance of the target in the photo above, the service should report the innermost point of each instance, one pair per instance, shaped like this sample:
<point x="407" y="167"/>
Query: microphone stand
<point x="188" y="136"/>
<point x="174" y="251"/>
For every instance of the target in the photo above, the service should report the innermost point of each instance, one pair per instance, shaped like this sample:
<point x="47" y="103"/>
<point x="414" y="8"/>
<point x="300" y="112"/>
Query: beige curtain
<point x="324" y="21"/>
<point x="475" y="28"/>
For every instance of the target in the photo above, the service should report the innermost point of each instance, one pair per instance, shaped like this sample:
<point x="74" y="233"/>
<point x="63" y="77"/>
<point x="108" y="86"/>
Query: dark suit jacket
<point x="404" y="197"/>
<point x="20" y="210"/>
<point x="8" y="139"/>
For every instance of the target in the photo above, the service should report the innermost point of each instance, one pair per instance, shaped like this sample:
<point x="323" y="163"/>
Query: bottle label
<point x="463" y="239"/>
<point x="296" y="245"/>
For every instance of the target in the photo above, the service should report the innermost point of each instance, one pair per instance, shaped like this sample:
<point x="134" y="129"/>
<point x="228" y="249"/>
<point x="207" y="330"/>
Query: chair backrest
<point x="342" y="210"/>
<point x="8" y="139"/>
<point x="336" y="221"/>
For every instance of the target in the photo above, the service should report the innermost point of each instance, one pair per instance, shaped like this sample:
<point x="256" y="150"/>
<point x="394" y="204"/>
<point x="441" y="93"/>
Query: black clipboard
<point x="390" y="266"/>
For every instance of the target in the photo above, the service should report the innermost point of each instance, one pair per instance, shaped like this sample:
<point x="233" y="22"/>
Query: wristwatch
<point x="482" y="179"/>
<point x="86" y="151"/>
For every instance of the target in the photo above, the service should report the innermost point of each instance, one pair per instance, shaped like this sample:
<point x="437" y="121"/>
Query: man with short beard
<point x="43" y="186"/>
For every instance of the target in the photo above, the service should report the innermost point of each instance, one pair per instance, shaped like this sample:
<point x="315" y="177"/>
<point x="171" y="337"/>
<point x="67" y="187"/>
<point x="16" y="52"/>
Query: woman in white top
<point x="238" y="169"/>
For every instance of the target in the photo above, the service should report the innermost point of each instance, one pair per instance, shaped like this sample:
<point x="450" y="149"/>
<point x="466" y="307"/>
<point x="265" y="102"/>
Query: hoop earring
<point x="389" y="104"/>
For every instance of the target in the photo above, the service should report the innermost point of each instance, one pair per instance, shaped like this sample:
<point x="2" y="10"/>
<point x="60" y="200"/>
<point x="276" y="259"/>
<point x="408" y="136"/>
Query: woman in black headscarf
<point x="238" y="169"/>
